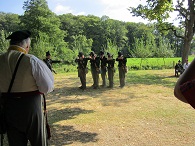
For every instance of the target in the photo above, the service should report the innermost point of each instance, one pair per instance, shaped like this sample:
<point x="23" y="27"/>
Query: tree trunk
<point x="189" y="31"/>
<point x="186" y="49"/>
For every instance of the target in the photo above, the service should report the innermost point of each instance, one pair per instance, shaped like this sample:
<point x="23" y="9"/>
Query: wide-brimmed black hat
<point x="48" y="53"/>
<point x="101" y="52"/>
<point x="19" y="35"/>
<point x="80" y="54"/>
<point x="120" y="53"/>
<point x="92" y="53"/>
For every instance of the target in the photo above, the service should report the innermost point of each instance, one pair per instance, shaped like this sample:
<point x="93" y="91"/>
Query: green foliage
<point x="142" y="49"/>
<point x="66" y="55"/>
<point x="3" y="42"/>
<point x="163" y="49"/>
<point x="42" y="21"/>
<point x="65" y="35"/>
<point x="154" y="10"/>
<point x="159" y="10"/>
<point x="45" y="28"/>
<point x="41" y="46"/>
<point x="81" y="44"/>
<point x="111" y="48"/>
<point x="9" y="22"/>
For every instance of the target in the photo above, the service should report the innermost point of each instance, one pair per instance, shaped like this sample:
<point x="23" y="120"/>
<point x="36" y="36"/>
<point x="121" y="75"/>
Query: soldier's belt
<point x="20" y="94"/>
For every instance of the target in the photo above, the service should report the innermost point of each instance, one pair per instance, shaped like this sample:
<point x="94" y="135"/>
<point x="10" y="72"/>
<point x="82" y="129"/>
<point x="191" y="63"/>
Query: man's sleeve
<point x="42" y="75"/>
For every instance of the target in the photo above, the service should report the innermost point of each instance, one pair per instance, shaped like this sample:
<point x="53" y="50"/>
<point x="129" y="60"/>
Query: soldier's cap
<point x="80" y="54"/>
<point x="120" y="53"/>
<point x="48" y="53"/>
<point x="92" y="53"/>
<point x="19" y="35"/>
<point x="108" y="54"/>
<point x="179" y="61"/>
<point x="101" y="52"/>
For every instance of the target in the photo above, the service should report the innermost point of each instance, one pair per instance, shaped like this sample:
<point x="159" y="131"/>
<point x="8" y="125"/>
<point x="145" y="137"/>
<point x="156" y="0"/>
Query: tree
<point x="4" y="44"/>
<point x="112" y="48"/>
<point x="142" y="49"/>
<point x="81" y="44"/>
<point x="44" y="25"/>
<point x="9" y="22"/>
<point x="160" y="11"/>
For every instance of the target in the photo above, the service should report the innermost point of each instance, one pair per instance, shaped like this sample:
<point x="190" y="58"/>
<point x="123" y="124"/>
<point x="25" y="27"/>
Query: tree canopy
<point x="65" y="35"/>
<point x="160" y="10"/>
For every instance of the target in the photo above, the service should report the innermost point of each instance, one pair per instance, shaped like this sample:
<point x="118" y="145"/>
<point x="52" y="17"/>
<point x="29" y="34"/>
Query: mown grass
<point x="144" y="112"/>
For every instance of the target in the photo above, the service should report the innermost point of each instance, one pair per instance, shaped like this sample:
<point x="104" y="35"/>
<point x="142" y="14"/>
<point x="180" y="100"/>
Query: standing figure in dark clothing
<point x="178" y="69"/>
<point x="122" y="68"/>
<point x="49" y="61"/>
<point x="103" y="68"/>
<point x="82" y="69"/>
<point x="111" y="70"/>
<point x="95" y="69"/>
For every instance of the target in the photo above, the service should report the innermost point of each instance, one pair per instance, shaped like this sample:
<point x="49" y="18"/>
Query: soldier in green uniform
<point x="103" y="60"/>
<point x="95" y="69"/>
<point x="49" y="61"/>
<point x="122" y="68"/>
<point x="111" y="70"/>
<point x="82" y="69"/>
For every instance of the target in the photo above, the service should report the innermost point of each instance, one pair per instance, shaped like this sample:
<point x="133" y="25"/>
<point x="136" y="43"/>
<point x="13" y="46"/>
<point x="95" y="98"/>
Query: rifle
<point x="46" y="121"/>
<point x="53" y="71"/>
<point x="49" y="63"/>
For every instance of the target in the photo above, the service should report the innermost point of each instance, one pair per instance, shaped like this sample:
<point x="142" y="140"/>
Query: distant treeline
<point x="65" y="35"/>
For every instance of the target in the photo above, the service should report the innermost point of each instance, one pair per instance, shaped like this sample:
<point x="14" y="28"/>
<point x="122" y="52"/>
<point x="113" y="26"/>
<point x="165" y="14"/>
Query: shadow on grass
<point x="66" y="114"/>
<point x="148" y="79"/>
<point x="66" y="135"/>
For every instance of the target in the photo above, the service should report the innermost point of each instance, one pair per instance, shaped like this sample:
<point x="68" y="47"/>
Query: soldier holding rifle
<point x="122" y="68"/>
<point x="82" y="69"/>
<point x="49" y="61"/>
<point x="95" y="69"/>
<point x="103" y="68"/>
<point x="111" y="70"/>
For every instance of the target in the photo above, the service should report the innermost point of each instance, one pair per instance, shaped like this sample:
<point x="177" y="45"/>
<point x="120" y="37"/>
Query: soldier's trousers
<point x="82" y="76"/>
<point x="25" y="121"/>
<point x="122" y="76"/>
<point x="103" y="75"/>
<point x="111" y="76"/>
<point x="95" y="76"/>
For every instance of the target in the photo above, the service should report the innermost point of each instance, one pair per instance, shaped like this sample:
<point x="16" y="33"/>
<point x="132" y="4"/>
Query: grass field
<point x="133" y="64"/>
<point x="154" y="63"/>
<point x="143" y="113"/>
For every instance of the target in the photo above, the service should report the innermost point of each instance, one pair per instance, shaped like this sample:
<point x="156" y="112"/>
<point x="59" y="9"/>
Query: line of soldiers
<point x="101" y="65"/>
